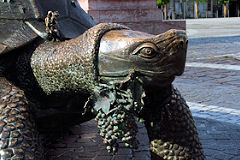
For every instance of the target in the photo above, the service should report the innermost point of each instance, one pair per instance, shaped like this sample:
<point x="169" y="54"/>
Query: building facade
<point x="140" y="15"/>
<point x="208" y="9"/>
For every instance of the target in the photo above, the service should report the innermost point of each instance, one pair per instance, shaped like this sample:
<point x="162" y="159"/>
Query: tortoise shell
<point x="14" y="14"/>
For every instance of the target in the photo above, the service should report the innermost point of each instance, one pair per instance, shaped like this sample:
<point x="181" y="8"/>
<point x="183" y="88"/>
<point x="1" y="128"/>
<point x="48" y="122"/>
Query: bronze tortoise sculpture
<point x="106" y="71"/>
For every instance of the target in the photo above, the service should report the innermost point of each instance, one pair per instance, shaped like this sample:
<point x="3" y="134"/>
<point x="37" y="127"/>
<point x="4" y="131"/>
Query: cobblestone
<point x="211" y="76"/>
<point x="214" y="66"/>
<point x="215" y="112"/>
<point x="202" y="48"/>
<point x="83" y="142"/>
<point x="223" y="59"/>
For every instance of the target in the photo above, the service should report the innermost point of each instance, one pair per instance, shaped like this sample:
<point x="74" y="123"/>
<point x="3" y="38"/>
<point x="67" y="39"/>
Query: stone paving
<point x="82" y="142"/>
<point x="229" y="59"/>
<point x="202" y="48"/>
<point x="220" y="140"/>
<point x="221" y="114"/>
<point x="217" y="77"/>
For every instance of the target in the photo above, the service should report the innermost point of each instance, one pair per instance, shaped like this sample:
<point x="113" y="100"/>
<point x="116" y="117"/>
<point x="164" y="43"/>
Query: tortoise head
<point x="155" y="59"/>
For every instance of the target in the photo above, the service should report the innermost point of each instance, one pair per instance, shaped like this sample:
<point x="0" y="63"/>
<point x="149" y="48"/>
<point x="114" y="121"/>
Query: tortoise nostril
<point x="181" y="43"/>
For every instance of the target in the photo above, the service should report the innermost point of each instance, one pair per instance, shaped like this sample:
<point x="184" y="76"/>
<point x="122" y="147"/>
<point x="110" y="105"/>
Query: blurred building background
<point x="141" y="15"/>
<point x="204" y="8"/>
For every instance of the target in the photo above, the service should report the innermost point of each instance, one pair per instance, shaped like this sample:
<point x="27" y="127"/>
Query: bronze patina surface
<point x="109" y="72"/>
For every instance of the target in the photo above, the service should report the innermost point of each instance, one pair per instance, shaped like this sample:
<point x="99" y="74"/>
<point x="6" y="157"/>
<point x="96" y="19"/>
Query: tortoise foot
<point x="173" y="135"/>
<point x="19" y="137"/>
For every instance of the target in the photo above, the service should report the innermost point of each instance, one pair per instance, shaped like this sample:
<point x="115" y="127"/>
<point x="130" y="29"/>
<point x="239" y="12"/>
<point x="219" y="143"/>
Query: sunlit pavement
<point x="213" y="27"/>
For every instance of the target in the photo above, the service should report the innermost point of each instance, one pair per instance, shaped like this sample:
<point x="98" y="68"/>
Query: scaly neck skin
<point x="64" y="67"/>
<point x="155" y="100"/>
<point x="70" y="66"/>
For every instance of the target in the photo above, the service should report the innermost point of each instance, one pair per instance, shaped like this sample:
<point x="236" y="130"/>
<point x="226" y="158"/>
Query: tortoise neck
<point x="157" y="96"/>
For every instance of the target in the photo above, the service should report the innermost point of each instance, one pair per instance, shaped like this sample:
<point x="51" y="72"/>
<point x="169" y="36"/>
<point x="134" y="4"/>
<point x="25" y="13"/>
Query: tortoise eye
<point x="147" y="52"/>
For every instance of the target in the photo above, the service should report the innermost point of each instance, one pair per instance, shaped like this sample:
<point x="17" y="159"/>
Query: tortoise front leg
<point x="18" y="135"/>
<point x="171" y="129"/>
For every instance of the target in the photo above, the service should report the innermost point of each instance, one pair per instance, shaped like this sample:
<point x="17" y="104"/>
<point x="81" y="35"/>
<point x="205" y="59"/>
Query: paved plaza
<point x="213" y="27"/>
<point x="211" y="87"/>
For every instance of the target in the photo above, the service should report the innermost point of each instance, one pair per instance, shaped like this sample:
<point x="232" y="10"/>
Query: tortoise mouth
<point x="157" y="81"/>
